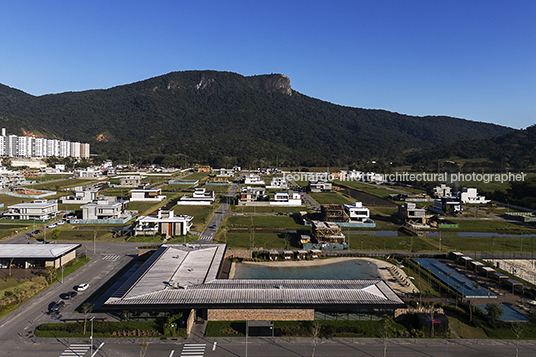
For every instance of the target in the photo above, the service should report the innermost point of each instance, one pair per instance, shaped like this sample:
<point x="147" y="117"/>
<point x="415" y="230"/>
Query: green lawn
<point x="158" y="239"/>
<point x="54" y="186"/>
<point x="337" y="198"/>
<point x="497" y="226"/>
<point x="278" y="222"/>
<point x="268" y="209"/>
<point x="375" y="190"/>
<point x="463" y="327"/>
<point x="202" y="215"/>
<point x="382" y="243"/>
<point x="248" y="239"/>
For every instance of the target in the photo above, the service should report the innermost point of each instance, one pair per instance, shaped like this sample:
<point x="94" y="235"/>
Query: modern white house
<point x="278" y="183"/>
<point x="165" y="223"/>
<point x="251" y="194"/>
<point x="200" y="197"/>
<point x="103" y="208"/>
<point x="357" y="212"/>
<point x="320" y="186"/>
<point x="286" y="199"/>
<point x="146" y="195"/>
<point x="88" y="173"/>
<point x="253" y="179"/>
<point x="38" y="210"/>
<point x="81" y="195"/>
<point x="470" y="196"/>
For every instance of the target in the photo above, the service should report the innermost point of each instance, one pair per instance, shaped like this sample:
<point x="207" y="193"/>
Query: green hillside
<point x="223" y="118"/>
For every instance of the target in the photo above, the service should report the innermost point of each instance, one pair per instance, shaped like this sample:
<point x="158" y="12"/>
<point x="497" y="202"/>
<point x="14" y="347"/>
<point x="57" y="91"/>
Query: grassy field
<point x="280" y="222"/>
<point x="463" y="328"/>
<point x="158" y="239"/>
<point x="379" y="243"/>
<point x="8" y="230"/>
<point x="326" y="198"/>
<point x="218" y="189"/>
<point x="57" y="185"/>
<point x="246" y="240"/>
<point x="8" y="200"/>
<point x="196" y="176"/>
<point x="69" y="232"/>
<point x="268" y="209"/>
<point x="375" y="190"/>
<point x="202" y="215"/>
<point x="497" y="226"/>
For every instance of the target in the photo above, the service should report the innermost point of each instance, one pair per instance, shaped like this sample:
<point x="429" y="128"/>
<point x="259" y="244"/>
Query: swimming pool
<point x="354" y="269"/>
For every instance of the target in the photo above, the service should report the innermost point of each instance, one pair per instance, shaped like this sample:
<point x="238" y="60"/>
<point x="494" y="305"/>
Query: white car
<point x="82" y="287"/>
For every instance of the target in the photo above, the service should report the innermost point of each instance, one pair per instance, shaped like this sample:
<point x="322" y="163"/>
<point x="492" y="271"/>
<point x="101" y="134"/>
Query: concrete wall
<point x="261" y="314"/>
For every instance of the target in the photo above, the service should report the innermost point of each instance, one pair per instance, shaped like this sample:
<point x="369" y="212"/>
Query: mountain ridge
<point x="224" y="118"/>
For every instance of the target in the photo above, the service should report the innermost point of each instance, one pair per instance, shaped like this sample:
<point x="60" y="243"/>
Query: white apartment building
<point x="27" y="146"/>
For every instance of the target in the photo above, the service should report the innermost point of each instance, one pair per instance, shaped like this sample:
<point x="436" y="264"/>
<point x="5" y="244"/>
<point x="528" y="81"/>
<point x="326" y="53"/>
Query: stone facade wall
<point x="400" y="312"/>
<point x="239" y="253"/>
<point x="190" y="322"/>
<point x="261" y="314"/>
<point x="57" y="263"/>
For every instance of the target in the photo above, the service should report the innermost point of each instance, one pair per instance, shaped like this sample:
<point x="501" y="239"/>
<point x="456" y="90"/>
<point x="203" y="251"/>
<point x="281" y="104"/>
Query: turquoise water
<point x="349" y="269"/>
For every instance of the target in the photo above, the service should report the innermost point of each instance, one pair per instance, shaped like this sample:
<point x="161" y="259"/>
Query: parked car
<point x="82" y="287"/>
<point x="70" y="295"/>
<point x="56" y="307"/>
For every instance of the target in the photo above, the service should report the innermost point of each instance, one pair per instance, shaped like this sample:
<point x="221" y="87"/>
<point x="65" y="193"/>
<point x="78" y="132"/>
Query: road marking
<point x="171" y="354"/>
<point x="75" y="350"/>
<point x="111" y="257"/>
<point x="214" y="346"/>
<point x="193" y="350"/>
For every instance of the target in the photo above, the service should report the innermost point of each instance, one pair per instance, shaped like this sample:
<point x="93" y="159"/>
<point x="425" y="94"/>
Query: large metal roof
<point x="35" y="251"/>
<point x="186" y="276"/>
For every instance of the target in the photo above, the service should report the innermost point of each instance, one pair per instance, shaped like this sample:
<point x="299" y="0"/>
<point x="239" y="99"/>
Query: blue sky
<point x="468" y="59"/>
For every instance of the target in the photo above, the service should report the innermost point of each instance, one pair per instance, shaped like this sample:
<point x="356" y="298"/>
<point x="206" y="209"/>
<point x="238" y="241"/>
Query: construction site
<point x="325" y="235"/>
<point x="334" y="213"/>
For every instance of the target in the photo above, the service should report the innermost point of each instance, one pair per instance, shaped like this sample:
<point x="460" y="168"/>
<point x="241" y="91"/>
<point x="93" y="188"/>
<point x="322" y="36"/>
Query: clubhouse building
<point x="185" y="277"/>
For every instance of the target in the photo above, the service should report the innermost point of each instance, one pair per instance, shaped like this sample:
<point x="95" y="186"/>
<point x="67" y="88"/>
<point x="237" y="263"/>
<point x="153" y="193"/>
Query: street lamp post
<point x="91" y="337"/>
<point x="247" y="334"/>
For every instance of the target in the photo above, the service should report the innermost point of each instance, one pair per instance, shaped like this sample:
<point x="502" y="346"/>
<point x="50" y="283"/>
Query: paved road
<point x="268" y="347"/>
<point x="212" y="228"/>
<point x="16" y="329"/>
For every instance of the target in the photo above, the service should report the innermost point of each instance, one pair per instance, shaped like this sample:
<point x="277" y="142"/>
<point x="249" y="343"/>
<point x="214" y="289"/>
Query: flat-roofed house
<point x="103" y="208"/>
<point x="357" y="212"/>
<point x="146" y="195"/>
<point x="200" y="197"/>
<point x="253" y="179"/>
<point x="37" y="210"/>
<point x="320" y="186"/>
<point x="165" y="223"/>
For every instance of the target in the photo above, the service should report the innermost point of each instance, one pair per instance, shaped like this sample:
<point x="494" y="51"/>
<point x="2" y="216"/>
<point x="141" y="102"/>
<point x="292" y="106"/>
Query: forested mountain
<point x="223" y="118"/>
<point x="512" y="151"/>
